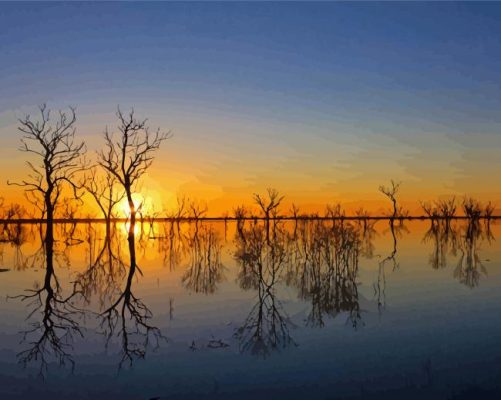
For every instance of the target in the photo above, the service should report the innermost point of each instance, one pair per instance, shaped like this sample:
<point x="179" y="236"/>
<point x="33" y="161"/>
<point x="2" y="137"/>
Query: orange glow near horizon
<point x="143" y="205"/>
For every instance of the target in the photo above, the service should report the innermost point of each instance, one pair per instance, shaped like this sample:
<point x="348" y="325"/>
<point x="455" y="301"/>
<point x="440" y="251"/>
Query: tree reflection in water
<point x="461" y="240"/>
<point x="396" y="230"/>
<point x="318" y="258"/>
<point x="261" y="257"/>
<point x="469" y="267"/>
<point x="54" y="316"/>
<point x="106" y="268"/>
<point x="128" y="317"/>
<point x="324" y="267"/>
<point x="205" y="269"/>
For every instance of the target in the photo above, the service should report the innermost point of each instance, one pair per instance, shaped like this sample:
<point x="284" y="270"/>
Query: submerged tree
<point x="129" y="156"/>
<point x="391" y="193"/>
<point x="270" y="205"/>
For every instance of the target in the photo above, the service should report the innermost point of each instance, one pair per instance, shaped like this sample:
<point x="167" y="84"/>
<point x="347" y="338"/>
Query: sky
<point x="323" y="101"/>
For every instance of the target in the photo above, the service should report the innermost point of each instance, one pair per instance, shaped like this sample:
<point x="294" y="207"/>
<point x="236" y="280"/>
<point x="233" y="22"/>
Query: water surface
<point x="307" y="309"/>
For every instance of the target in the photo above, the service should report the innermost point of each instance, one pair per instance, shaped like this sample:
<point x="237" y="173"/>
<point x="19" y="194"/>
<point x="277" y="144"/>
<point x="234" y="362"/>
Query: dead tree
<point x="268" y="206"/>
<point x="447" y="208"/>
<point x="198" y="210"/>
<point x="391" y="193"/>
<point x="240" y="214"/>
<point x="103" y="191"/>
<point x="472" y="208"/>
<point x="59" y="156"/>
<point x="489" y="210"/>
<point x="431" y="211"/>
<point x="130" y="155"/>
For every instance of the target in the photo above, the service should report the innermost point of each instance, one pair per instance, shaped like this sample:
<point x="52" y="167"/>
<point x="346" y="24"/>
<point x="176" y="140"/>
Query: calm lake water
<point x="317" y="310"/>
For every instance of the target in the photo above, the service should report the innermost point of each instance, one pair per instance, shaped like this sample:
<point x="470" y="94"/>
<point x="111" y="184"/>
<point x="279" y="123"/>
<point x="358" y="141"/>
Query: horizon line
<point x="250" y="218"/>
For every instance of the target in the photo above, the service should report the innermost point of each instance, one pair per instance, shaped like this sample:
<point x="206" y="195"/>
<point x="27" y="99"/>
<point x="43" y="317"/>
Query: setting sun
<point x="142" y="204"/>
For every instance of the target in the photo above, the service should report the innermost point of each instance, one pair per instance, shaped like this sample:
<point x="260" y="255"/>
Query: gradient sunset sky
<point x="324" y="101"/>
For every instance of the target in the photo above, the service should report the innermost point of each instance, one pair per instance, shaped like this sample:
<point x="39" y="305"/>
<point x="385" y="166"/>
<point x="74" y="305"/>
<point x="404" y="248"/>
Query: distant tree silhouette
<point x="270" y="204"/>
<point x="447" y="208"/>
<point x="334" y="211"/>
<point x="489" y="210"/>
<point x="103" y="191"/>
<point x="130" y="155"/>
<point x="294" y="211"/>
<point x="197" y="210"/>
<point x="14" y="211"/>
<point x="391" y="193"/>
<point x="431" y="210"/>
<point x="444" y="209"/>
<point x="472" y="208"/>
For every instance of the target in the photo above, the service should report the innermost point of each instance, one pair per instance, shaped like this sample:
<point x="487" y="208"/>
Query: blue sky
<point x="318" y="88"/>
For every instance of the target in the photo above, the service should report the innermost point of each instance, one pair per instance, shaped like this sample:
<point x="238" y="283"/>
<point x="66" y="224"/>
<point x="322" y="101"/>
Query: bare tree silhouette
<point x="60" y="158"/>
<point x="197" y="211"/>
<point x="489" y="210"/>
<point x="270" y="204"/>
<point x="129" y="157"/>
<point x="391" y="193"/>
<point x="472" y="208"/>
<point x="103" y="191"/>
<point x="240" y="214"/>
<point x="430" y="210"/>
